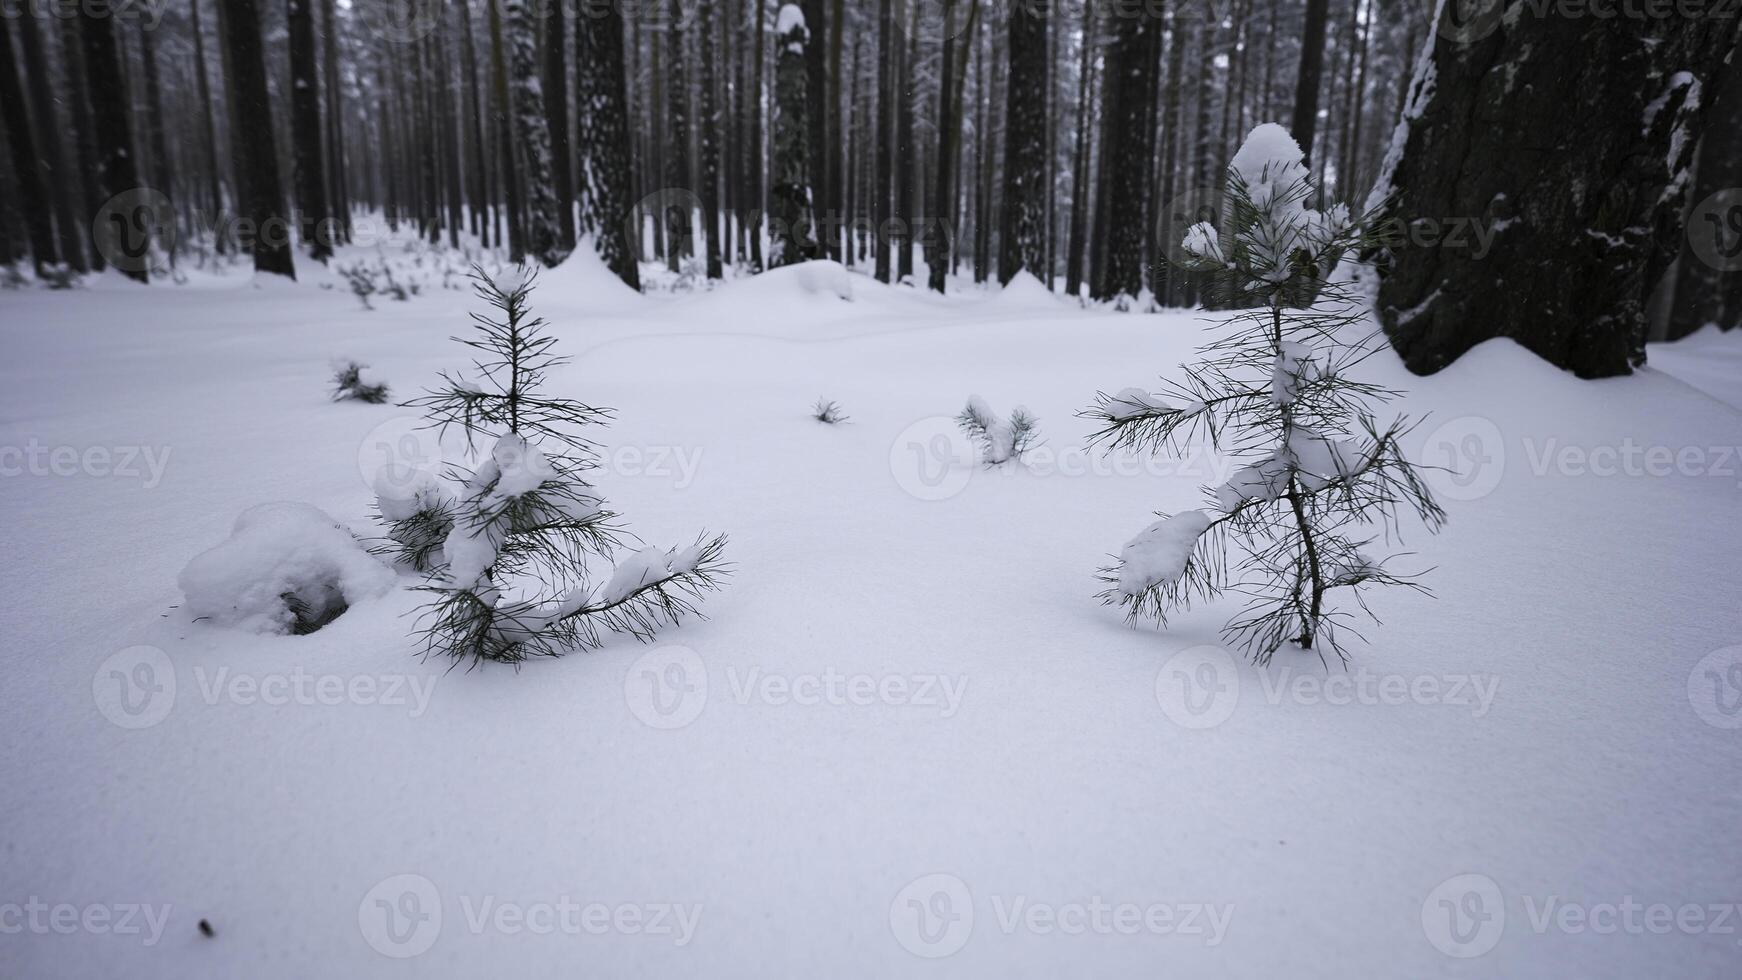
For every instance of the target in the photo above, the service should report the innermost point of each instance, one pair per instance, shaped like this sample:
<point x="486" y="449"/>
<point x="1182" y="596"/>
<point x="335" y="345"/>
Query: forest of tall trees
<point x="1071" y="140"/>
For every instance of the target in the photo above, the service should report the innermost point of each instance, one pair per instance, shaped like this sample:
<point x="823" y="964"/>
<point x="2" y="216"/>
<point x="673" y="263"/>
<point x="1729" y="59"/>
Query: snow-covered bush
<point x="285" y="568"/>
<point x="358" y="382"/>
<point x="1321" y="476"/>
<point x="828" y="412"/>
<point x="513" y="542"/>
<point x="999" y="440"/>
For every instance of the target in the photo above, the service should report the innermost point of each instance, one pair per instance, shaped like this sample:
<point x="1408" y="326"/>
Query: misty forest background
<point x="931" y="141"/>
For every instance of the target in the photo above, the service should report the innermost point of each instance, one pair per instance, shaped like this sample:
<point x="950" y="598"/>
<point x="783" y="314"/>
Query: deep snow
<point x="908" y="729"/>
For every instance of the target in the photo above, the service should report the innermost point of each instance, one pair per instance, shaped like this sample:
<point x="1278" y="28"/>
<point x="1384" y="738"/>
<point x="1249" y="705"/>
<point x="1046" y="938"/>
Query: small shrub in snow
<point x="999" y="440"/>
<point x="286" y="568"/>
<point x="828" y="412"/>
<point x="358" y="382"/>
<point x="1321" y="476"/>
<point x="512" y="542"/>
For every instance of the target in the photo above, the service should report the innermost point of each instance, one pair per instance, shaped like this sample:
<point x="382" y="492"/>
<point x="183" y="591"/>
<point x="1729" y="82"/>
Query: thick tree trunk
<point x="1708" y="285"/>
<point x="556" y="96"/>
<point x="1500" y="131"/>
<point x="882" y="137"/>
<point x="679" y="220"/>
<point x="117" y="167"/>
<point x="790" y="221"/>
<point x="307" y="132"/>
<point x="817" y="118"/>
<point x="708" y="143"/>
<point x="604" y="140"/>
<point x="1312" y="69"/>
<point x="253" y="144"/>
<point x="58" y="181"/>
<point x="1077" y="239"/>
<point x="37" y="219"/>
<point x="1022" y="223"/>
<point x="1132" y="67"/>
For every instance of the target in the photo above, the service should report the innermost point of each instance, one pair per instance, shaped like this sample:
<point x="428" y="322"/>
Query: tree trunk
<point x="708" y="143"/>
<point x="1501" y="131"/>
<point x="790" y="222"/>
<point x="38" y="221"/>
<point x="1312" y="68"/>
<point x="604" y="140"/>
<point x="58" y="182"/>
<point x="883" y="138"/>
<point x="556" y="95"/>
<point x="1022" y="223"/>
<point x="679" y="220"/>
<point x="117" y="173"/>
<point x="307" y="133"/>
<point x="1708" y="287"/>
<point x="1132" y="66"/>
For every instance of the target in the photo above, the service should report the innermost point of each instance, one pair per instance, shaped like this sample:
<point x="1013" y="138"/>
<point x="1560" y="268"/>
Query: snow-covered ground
<point x="908" y="741"/>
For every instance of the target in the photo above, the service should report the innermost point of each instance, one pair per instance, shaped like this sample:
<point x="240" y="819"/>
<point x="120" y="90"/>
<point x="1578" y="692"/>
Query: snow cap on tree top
<point x="790" y="17"/>
<point x="1269" y="154"/>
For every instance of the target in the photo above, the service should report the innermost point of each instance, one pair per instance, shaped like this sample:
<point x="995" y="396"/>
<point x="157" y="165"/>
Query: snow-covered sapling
<point x="358" y="382"/>
<point x="511" y="543"/>
<point x="828" y="412"/>
<point x="1321" y="476"/>
<point x="999" y="440"/>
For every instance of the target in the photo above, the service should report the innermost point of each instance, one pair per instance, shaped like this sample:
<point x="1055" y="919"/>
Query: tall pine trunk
<point x="307" y="135"/>
<point x="38" y="221"/>
<point x="604" y="140"/>
<point x="790" y="221"/>
<point x="1022" y="223"/>
<point x="117" y="172"/>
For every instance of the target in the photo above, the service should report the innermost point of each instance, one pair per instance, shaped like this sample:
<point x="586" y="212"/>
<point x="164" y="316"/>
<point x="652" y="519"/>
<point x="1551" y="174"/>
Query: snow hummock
<point x="1158" y="554"/>
<point x="1026" y="291"/>
<point x="277" y="556"/>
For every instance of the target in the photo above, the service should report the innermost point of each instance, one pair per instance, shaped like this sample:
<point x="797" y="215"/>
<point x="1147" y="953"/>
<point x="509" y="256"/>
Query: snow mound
<point x="1158" y="555"/>
<point x="1269" y="155"/>
<point x="584" y="278"/>
<point x="816" y="279"/>
<point x="285" y="568"/>
<point x="1024" y="291"/>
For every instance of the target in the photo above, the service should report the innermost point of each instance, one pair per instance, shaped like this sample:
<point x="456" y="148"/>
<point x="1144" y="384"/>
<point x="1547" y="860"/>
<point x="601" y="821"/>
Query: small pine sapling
<point x="1321" y="476"/>
<point x="356" y="382"/>
<point x="999" y="440"/>
<point x="510" y="544"/>
<point x="828" y="412"/>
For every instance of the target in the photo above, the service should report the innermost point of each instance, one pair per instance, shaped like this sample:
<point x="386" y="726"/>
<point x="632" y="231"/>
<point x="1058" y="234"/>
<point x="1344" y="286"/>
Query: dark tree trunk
<point x="708" y="143"/>
<point x="677" y="216"/>
<point x="1164" y="277"/>
<point x="253" y="143"/>
<point x="883" y="140"/>
<point x="604" y="140"/>
<point x="338" y="191"/>
<point x="85" y="136"/>
<point x="938" y="225"/>
<point x="790" y="220"/>
<point x="307" y="132"/>
<point x="1022" y="223"/>
<point x="37" y="219"/>
<point x="1312" y="69"/>
<point x="506" y="171"/>
<point x="117" y="169"/>
<point x="479" y="172"/>
<point x="817" y="118"/>
<point x="757" y="152"/>
<point x="1503" y="134"/>
<point x="1132" y="67"/>
<point x="556" y="95"/>
<point x="1077" y="238"/>
<point x="58" y="181"/>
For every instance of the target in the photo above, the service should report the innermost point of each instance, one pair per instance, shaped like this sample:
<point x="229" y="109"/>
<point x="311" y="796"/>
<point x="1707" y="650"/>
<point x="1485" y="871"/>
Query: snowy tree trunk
<point x="790" y="222"/>
<point x="1022" y="224"/>
<point x="1499" y="129"/>
<point x="556" y="94"/>
<point x="253" y="143"/>
<point x="1708" y="286"/>
<point x="708" y="133"/>
<point x="532" y="127"/>
<point x="677" y="161"/>
<point x="604" y="138"/>
<point x="305" y="118"/>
